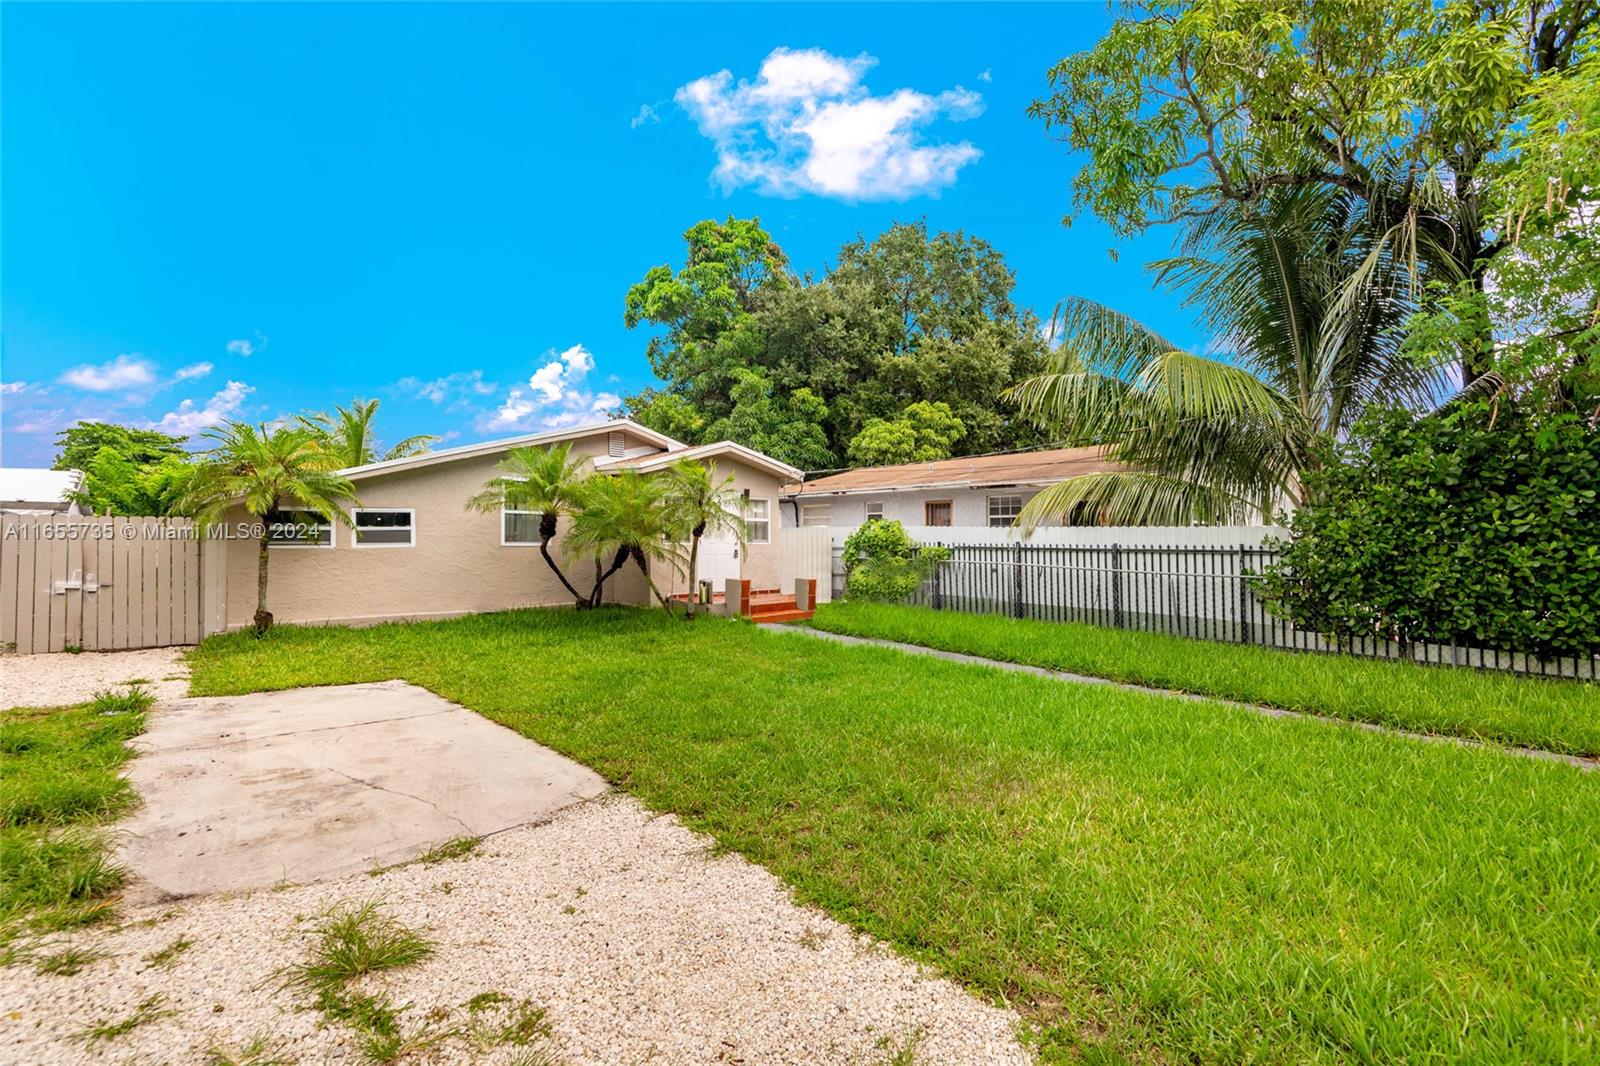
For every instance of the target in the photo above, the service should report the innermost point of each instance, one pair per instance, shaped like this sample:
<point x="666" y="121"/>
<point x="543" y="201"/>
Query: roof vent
<point x="614" y="444"/>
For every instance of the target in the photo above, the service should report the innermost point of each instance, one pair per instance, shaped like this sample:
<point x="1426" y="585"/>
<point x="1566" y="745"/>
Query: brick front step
<point x="791" y="614"/>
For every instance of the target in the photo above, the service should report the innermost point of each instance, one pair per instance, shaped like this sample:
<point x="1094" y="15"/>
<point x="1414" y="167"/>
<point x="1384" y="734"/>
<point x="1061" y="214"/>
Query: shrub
<point x="882" y="562"/>
<point x="1479" y="525"/>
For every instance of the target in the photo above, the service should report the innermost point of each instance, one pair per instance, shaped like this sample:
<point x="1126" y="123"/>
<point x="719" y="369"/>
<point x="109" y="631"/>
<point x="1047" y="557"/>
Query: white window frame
<point x="826" y="510"/>
<point x="749" y="522"/>
<point x="333" y="535"/>
<point x="874" y="517"/>
<point x="504" y="543"/>
<point x="355" y="530"/>
<point x="989" y="509"/>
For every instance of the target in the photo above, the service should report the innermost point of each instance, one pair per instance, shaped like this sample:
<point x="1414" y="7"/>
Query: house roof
<point x="490" y="447"/>
<point x="21" y="485"/>
<point x="978" y="471"/>
<point x="748" y="456"/>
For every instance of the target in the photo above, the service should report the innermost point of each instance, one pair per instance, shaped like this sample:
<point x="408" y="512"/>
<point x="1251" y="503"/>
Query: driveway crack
<point x="407" y="795"/>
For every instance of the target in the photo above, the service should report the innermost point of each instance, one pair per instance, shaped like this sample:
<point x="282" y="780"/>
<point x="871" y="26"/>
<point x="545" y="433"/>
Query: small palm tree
<point x="698" y="503"/>
<point x="263" y="470"/>
<point x="347" y="437"/>
<point x="624" y="515"/>
<point x="542" y="480"/>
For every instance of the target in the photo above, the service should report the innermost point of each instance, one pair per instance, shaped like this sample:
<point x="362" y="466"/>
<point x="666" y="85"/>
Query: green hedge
<point x="1479" y="525"/>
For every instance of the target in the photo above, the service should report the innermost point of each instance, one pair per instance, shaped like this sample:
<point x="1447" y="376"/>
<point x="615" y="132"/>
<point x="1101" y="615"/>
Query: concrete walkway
<point x="315" y="783"/>
<point x="1579" y="761"/>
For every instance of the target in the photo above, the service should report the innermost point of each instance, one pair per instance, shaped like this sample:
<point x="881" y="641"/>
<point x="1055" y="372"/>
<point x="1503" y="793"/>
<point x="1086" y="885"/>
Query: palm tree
<point x="624" y="515"/>
<point x="347" y="436"/>
<point x="263" y="470"/>
<point x="697" y="503"/>
<point x="1309" y="295"/>
<point x="542" y="480"/>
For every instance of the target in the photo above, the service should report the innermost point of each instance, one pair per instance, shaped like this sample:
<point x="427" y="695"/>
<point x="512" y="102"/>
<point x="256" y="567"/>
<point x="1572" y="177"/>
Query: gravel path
<point x="59" y="679"/>
<point x="641" y="943"/>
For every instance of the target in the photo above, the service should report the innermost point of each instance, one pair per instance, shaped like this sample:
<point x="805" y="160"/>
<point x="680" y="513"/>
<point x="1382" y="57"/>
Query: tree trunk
<point x="600" y="579"/>
<point x="263" y="618"/>
<point x="694" y="572"/>
<point x="644" y="568"/>
<point x="547" y="532"/>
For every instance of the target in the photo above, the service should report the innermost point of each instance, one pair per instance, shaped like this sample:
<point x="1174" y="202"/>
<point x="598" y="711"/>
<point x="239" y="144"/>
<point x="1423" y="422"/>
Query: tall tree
<point x="543" y="480"/>
<point x="699" y="502"/>
<point x="923" y="433"/>
<point x="1189" y="105"/>
<point x="348" y="438"/>
<point x="1312" y="323"/>
<point x="115" y="484"/>
<point x="905" y="317"/>
<point x="788" y="428"/>
<point x="79" y="444"/>
<point x="263" y="470"/>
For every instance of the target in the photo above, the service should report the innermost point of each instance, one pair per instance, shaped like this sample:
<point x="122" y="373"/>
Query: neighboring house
<point x="983" y="490"/>
<point x="416" y="551"/>
<point x="29" y="490"/>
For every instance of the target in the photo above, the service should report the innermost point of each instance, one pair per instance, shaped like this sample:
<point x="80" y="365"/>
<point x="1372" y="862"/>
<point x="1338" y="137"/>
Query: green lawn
<point x="60" y="786"/>
<point x="1561" y="716"/>
<point x="1144" y="879"/>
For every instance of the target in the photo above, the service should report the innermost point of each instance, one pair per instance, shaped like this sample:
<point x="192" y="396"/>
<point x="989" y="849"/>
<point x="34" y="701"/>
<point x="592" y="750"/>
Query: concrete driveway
<point x="310" y="784"/>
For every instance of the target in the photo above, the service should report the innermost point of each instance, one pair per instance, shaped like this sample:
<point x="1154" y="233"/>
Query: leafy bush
<point x="882" y="562"/>
<point x="1479" y="525"/>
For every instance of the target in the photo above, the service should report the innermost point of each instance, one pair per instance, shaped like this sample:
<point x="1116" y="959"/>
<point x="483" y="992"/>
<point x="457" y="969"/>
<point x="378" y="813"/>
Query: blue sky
<point x="213" y="211"/>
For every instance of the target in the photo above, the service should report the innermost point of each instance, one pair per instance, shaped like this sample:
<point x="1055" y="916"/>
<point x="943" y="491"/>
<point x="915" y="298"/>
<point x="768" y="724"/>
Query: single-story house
<point x="31" y="490"/>
<point x="414" y="550"/>
<point x="981" y="490"/>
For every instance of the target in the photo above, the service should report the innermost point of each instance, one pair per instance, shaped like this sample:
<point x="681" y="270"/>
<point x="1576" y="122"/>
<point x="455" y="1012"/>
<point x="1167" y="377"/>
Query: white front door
<point x="719" y="560"/>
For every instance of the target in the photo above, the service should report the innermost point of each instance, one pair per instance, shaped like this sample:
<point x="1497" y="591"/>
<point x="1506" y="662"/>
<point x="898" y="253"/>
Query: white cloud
<point x="247" y="347"/>
<point x="190" y="418"/>
<point x="986" y="75"/>
<point x="556" y="394"/>
<point x="647" y="113"/>
<point x="123" y="372"/>
<point x="194" y="370"/>
<point x="808" y="124"/>
<point x="461" y="384"/>
<point x="11" y="388"/>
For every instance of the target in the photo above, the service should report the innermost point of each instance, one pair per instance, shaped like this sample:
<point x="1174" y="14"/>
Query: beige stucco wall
<point x="457" y="565"/>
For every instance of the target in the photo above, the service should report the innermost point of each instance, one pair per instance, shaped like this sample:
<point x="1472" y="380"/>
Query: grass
<point x="149" y="1010"/>
<point x="1144" y="879"/>
<point x="60" y="784"/>
<point x="169" y="955"/>
<point x="1561" y="716"/>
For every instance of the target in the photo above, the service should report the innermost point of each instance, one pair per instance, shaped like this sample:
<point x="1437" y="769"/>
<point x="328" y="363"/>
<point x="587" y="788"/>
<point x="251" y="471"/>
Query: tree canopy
<point x="1189" y="104"/>
<point x="79" y="444"/>
<point x="800" y="367"/>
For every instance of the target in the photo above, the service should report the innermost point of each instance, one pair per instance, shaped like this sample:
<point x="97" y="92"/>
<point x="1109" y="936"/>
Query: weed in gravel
<point x="459" y="848"/>
<point x="352" y="941"/>
<point x="147" y="1011"/>
<point x="260" y="1051"/>
<point x="66" y="962"/>
<point x="495" y="1020"/>
<point x="169" y="954"/>
<point x="135" y="700"/>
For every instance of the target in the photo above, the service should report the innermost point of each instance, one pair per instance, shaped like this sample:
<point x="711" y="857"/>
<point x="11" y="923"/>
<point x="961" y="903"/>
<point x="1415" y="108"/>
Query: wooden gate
<point x="70" y="582"/>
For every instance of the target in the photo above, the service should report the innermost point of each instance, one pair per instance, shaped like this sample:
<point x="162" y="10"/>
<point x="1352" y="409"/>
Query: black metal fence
<point x="1206" y="593"/>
